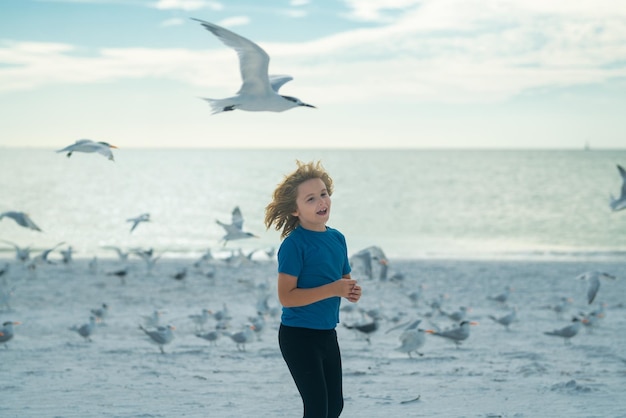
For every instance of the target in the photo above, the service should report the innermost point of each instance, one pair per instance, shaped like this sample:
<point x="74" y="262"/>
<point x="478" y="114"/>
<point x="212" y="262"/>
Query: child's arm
<point x="291" y="296"/>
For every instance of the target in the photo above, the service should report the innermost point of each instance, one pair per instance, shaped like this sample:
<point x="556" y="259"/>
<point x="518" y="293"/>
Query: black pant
<point x="314" y="361"/>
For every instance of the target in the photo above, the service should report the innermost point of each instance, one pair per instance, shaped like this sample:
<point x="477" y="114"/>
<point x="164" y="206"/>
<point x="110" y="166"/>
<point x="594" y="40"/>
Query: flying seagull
<point x="620" y="203"/>
<point x="21" y="219"/>
<point x="234" y="230"/>
<point x="87" y="145"/>
<point x="259" y="91"/>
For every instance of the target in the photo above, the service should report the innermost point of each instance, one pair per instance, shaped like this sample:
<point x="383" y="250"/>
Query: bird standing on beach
<point x="365" y="328"/>
<point x="412" y="339"/>
<point x="620" y="203"/>
<point x="457" y="335"/>
<point x="593" y="277"/>
<point x="567" y="332"/>
<point x="200" y="319"/>
<point x="503" y="297"/>
<point x="259" y="91"/>
<point x="161" y="336"/>
<point x="507" y="319"/>
<point x="87" y="145"/>
<point x="6" y="332"/>
<point x="101" y="312"/>
<point x="86" y="330"/>
<point x="21" y="218"/>
<point x="243" y="337"/>
<point x="144" y="217"/>
<point x="234" y="230"/>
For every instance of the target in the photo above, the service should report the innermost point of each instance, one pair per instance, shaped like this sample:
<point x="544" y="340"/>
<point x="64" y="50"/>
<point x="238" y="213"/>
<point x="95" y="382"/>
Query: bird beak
<point x="112" y="146"/>
<point x="430" y="331"/>
<point x="308" y="105"/>
<point x="17" y="323"/>
<point x="473" y="323"/>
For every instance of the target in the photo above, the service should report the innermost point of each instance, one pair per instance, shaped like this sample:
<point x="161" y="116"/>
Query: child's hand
<point x="350" y="289"/>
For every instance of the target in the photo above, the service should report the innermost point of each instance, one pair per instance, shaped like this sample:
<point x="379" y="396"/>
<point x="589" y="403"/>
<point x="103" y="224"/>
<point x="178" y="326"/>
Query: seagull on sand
<point x="502" y="297"/>
<point x="201" y="319"/>
<point x="160" y="336"/>
<point x="412" y="338"/>
<point x="21" y="219"/>
<point x="593" y="277"/>
<point x="365" y="328"/>
<point x="6" y="332"/>
<point x="620" y="203"/>
<point x="87" y="145"/>
<point x="567" y="332"/>
<point x="101" y="312"/>
<point x="506" y="320"/>
<point x="87" y="329"/>
<point x="211" y="336"/>
<point x="243" y="337"/>
<point x="234" y="230"/>
<point x="259" y="91"/>
<point x="457" y="335"/>
<point x="144" y="217"/>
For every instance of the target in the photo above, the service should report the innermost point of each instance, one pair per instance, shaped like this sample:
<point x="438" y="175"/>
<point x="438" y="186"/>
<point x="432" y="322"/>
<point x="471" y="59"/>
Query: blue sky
<point x="383" y="73"/>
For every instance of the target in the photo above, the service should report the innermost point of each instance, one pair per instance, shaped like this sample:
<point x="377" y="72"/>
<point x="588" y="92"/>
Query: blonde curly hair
<point x="279" y="212"/>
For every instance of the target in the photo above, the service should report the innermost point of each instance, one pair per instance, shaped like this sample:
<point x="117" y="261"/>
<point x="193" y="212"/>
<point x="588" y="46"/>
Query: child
<point x="313" y="275"/>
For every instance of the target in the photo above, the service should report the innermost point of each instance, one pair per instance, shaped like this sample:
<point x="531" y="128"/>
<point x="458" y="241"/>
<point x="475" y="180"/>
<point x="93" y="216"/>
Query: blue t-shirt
<point x="315" y="258"/>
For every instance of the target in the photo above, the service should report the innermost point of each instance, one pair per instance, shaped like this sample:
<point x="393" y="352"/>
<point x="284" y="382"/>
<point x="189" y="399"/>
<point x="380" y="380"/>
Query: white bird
<point x="152" y="320"/>
<point x="201" y="319"/>
<point x="123" y="255"/>
<point x="87" y="329"/>
<point x="620" y="203"/>
<point x="412" y="339"/>
<point x="502" y="297"/>
<point x="6" y="332"/>
<point x="87" y="145"/>
<point x="507" y="319"/>
<point x="259" y="91"/>
<point x="43" y="257"/>
<point x="457" y="335"/>
<point x="100" y="313"/>
<point x="144" y="217"/>
<point x="234" y="230"/>
<point x="21" y="219"/>
<point x="211" y="336"/>
<point x="161" y="336"/>
<point x="67" y="255"/>
<point x="21" y="253"/>
<point x="593" y="277"/>
<point x="567" y="332"/>
<point x="241" y="338"/>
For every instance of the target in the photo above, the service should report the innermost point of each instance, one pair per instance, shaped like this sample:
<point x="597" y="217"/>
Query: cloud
<point x="235" y="21"/>
<point x="176" y="21"/>
<point x="187" y="5"/>
<point x="448" y="51"/>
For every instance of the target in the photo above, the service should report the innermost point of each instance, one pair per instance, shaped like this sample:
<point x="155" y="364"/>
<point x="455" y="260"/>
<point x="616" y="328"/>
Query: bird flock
<point x="259" y="92"/>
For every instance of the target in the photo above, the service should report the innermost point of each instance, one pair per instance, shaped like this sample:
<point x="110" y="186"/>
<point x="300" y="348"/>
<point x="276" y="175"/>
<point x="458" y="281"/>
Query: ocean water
<point x="521" y="204"/>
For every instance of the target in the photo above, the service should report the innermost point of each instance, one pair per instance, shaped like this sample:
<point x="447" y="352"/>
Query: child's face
<point x="313" y="205"/>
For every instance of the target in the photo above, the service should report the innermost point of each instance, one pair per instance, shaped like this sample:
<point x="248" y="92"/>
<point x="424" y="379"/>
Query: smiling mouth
<point x="323" y="212"/>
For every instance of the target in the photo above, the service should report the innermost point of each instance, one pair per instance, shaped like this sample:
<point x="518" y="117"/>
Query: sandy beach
<point x="51" y="371"/>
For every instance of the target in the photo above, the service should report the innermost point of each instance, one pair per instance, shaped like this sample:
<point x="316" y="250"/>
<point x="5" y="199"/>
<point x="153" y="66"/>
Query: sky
<point x="476" y="74"/>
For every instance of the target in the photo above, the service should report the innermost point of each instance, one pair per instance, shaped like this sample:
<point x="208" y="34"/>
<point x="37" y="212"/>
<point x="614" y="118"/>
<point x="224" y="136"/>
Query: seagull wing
<point x="237" y="218"/>
<point x="253" y="60"/>
<point x="277" y="81"/>
<point x="622" y="172"/>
